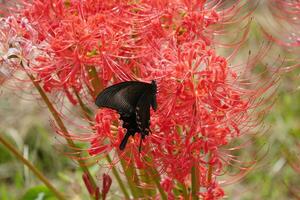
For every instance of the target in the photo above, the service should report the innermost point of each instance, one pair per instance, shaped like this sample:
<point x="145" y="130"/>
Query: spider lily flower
<point x="203" y="104"/>
<point x="18" y="45"/>
<point x="203" y="101"/>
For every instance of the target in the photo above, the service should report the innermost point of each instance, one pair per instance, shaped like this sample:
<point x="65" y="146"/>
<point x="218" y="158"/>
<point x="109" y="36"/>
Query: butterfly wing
<point x="143" y="113"/>
<point x="122" y="97"/>
<point x="132" y="101"/>
<point x="129" y="123"/>
<point x="153" y="101"/>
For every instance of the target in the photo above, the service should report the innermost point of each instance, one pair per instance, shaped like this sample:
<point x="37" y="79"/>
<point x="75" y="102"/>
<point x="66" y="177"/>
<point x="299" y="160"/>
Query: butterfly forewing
<point x="122" y="97"/>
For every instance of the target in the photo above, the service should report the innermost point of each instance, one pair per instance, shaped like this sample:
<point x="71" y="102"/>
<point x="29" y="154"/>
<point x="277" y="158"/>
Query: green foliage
<point x="38" y="193"/>
<point x="4" y="194"/>
<point x="4" y="155"/>
<point x="43" y="153"/>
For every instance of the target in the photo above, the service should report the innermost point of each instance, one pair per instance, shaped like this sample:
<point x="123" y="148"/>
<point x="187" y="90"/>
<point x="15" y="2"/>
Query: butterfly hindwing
<point x="142" y="112"/>
<point x="129" y="123"/>
<point x="153" y="101"/>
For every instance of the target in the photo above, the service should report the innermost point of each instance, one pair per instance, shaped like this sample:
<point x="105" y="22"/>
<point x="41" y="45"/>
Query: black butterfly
<point x="132" y="100"/>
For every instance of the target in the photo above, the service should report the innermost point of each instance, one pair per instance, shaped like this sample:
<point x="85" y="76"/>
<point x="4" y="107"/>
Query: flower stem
<point x="156" y="179"/>
<point x="146" y="179"/>
<point x="19" y="156"/>
<point x="84" y="109"/>
<point x="209" y="171"/>
<point x="195" y="182"/>
<point x="119" y="180"/>
<point x="94" y="79"/>
<point x="61" y="125"/>
<point x="184" y="191"/>
<point x="128" y="170"/>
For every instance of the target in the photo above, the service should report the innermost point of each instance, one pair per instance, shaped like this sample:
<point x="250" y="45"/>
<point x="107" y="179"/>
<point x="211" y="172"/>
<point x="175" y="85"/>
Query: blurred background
<point x="25" y="123"/>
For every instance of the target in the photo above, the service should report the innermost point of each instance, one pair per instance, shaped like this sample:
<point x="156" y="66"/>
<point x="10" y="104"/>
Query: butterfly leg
<point x="124" y="141"/>
<point x="141" y="142"/>
<point x="140" y="147"/>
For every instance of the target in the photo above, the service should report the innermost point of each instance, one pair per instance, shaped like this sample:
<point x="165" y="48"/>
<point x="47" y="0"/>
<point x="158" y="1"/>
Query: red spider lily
<point x="112" y="36"/>
<point x="78" y="36"/>
<point x="202" y="107"/>
<point x="104" y="120"/>
<point x="203" y="102"/>
<point x="17" y="45"/>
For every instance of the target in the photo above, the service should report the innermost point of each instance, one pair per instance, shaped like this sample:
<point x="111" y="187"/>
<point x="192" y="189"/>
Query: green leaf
<point x="38" y="193"/>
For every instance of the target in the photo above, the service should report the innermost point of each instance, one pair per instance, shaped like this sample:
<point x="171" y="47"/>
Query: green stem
<point x="209" y="171"/>
<point x="61" y="125"/>
<point x="95" y="81"/>
<point x="184" y="191"/>
<point x="156" y="179"/>
<point x="146" y="179"/>
<point x="195" y="182"/>
<point x="84" y="109"/>
<point x="19" y="156"/>
<point x="119" y="180"/>
<point x="130" y="179"/>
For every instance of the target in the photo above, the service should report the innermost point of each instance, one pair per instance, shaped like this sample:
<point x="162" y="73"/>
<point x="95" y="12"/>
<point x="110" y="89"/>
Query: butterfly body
<point x="132" y="100"/>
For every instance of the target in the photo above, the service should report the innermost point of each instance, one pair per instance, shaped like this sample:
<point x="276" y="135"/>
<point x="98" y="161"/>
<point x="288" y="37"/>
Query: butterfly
<point x="132" y="100"/>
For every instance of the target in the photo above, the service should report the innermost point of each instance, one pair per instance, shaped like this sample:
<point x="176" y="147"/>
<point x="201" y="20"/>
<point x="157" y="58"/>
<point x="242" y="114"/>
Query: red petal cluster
<point x="202" y="105"/>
